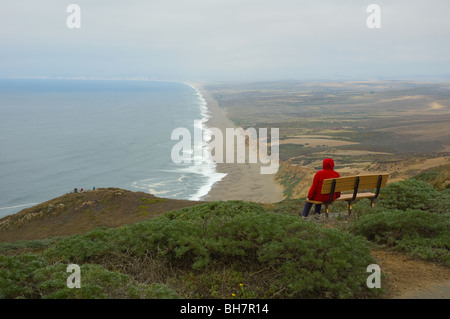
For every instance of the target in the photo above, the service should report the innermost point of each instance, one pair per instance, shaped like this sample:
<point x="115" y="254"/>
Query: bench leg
<point x="326" y="211"/>
<point x="349" y="208"/>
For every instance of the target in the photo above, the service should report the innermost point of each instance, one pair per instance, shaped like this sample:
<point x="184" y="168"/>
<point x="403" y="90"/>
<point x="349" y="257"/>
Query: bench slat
<point x="348" y="186"/>
<point x="345" y="197"/>
<point x="360" y="195"/>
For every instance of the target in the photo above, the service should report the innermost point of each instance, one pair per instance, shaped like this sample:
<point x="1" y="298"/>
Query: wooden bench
<point x="355" y="184"/>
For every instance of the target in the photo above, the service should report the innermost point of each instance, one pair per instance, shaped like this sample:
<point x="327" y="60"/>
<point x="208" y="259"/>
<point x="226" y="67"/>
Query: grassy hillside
<point x="234" y="249"/>
<point x="218" y="249"/>
<point x="79" y="212"/>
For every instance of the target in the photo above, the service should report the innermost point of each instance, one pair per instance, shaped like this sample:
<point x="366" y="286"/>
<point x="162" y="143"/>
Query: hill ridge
<point x="80" y="212"/>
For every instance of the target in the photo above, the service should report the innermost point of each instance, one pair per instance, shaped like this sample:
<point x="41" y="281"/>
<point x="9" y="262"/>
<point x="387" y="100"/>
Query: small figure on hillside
<point x="81" y="189"/>
<point x="314" y="192"/>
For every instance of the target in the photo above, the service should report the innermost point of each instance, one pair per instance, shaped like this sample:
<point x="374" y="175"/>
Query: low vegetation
<point x="31" y="276"/>
<point x="411" y="216"/>
<point x="415" y="194"/>
<point x="234" y="249"/>
<point x="219" y="249"/>
<point x="416" y="232"/>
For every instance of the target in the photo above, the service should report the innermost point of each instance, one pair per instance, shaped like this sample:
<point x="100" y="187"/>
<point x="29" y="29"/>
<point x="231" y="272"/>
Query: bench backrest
<point x="348" y="183"/>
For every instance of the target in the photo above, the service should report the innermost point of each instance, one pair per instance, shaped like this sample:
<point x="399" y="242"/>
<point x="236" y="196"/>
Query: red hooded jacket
<point x="327" y="172"/>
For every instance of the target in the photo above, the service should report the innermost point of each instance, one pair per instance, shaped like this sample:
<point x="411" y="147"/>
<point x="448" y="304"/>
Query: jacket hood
<point x="328" y="163"/>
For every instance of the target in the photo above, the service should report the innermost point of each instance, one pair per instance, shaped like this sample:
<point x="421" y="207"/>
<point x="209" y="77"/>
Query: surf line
<point x="257" y="145"/>
<point x="23" y="205"/>
<point x="201" y="149"/>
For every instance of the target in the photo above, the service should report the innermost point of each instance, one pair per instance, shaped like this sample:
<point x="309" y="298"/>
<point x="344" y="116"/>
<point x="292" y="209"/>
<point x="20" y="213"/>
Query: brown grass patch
<point x="80" y="212"/>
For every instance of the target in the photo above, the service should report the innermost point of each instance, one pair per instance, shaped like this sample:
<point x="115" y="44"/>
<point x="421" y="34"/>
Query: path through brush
<point x="410" y="278"/>
<point x="406" y="277"/>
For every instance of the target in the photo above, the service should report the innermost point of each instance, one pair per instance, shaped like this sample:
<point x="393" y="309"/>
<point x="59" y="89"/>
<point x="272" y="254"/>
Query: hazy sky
<point x="225" y="39"/>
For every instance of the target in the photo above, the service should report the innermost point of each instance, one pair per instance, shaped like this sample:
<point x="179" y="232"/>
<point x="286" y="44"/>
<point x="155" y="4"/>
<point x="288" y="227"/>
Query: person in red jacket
<point x="314" y="191"/>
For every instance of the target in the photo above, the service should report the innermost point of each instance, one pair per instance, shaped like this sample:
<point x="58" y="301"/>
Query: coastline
<point x="242" y="181"/>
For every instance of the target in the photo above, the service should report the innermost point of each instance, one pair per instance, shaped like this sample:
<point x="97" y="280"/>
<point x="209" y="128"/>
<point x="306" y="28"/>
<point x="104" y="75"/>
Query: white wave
<point x="202" y="163"/>
<point x="207" y="165"/>
<point x="204" y="111"/>
<point x="154" y="188"/>
<point x="17" y="206"/>
<point x="205" y="189"/>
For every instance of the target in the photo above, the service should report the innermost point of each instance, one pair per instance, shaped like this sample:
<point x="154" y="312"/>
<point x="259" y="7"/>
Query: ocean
<point x="57" y="135"/>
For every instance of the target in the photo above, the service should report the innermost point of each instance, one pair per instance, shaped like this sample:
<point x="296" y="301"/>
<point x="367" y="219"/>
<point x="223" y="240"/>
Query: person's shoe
<point x="304" y="217"/>
<point x="317" y="216"/>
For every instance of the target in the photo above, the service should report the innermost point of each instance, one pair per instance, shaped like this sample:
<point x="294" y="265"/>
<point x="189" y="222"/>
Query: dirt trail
<point x="410" y="278"/>
<point x="406" y="277"/>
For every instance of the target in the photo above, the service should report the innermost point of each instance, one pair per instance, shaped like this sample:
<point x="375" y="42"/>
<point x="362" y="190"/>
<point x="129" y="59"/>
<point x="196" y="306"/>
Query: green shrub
<point x="298" y="258"/>
<point x="437" y="177"/>
<point x="81" y="247"/>
<point x="290" y="206"/>
<point x="416" y="232"/>
<point x="30" y="276"/>
<point x="363" y="206"/>
<point x="15" y="274"/>
<point x="414" y="194"/>
<point x="21" y="246"/>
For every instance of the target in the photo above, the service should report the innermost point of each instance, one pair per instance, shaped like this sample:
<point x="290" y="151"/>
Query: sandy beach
<point x="243" y="181"/>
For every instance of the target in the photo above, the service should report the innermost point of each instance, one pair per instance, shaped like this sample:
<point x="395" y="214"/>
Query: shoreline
<point x="242" y="181"/>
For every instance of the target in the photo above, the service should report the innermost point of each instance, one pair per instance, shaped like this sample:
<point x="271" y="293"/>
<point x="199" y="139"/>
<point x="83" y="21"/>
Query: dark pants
<point x="308" y="206"/>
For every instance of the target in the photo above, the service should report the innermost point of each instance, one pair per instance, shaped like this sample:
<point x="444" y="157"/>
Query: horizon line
<point x="436" y="78"/>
